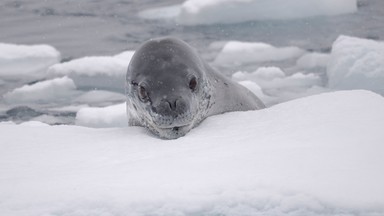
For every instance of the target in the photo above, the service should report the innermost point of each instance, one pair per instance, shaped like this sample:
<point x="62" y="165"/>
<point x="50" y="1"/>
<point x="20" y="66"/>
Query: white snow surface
<point x="26" y="62"/>
<point x="239" y="53"/>
<point x="319" y="155"/>
<point x="55" y="90"/>
<point x="203" y="12"/>
<point x="272" y="85"/>
<point x="356" y="63"/>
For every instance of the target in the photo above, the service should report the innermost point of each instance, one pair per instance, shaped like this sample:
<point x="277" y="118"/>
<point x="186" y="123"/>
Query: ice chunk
<point x="55" y="91"/>
<point x="91" y="66"/>
<point x="96" y="72"/>
<point x="356" y="64"/>
<point x="100" y="117"/>
<point x="238" y="53"/>
<point x="197" y="12"/>
<point x="100" y="98"/>
<point x="278" y="87"/>
<point x="313" y="60"/>
<point x="26" y="62"/>
<point x="309" y="156"/>
<point x="167" y="12"/>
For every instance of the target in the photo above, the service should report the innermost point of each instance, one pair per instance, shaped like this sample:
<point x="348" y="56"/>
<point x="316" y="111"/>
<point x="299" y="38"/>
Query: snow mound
<point x="202" y="12"/>
<point x="239" y="53"/>
<point x="309" y="156"/>
<point x="356" y="64"/>
<point x="101" y="117"/>
<point x="26" y="62"/>
<point x="55" y="90"/>
<point x="96" y="72"/>
<point x="276" y="86"/>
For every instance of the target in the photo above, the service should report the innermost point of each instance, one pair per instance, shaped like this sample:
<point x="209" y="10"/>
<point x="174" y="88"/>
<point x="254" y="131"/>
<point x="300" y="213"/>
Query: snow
<point x="356" y="63"/>
<point x="55" y="90"/>
<point x="239" y="53"/>
<point x="26" y="62"/>
<point x="319" y="155"/>
<point x="276" y="86"/>
<point x="101" y="117"/>
<point x="203" y="12"/>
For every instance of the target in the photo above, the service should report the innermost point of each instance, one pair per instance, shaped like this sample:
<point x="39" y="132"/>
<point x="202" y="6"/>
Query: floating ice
<point x="276" y="86"/>
<point x="356" y="64"/>
<point x="197" y="12"/>
<point x="55" y="91"/>
<point x="309" y="156"/>
<point x="313" y="60"/>
<point x="99" y="117"/>
<point x="239" y="53"/>
<point x="96" y="72"/>
<point x="100" y="98"/>
<point x="94" y="65"/>
<point x="26" y="62"/>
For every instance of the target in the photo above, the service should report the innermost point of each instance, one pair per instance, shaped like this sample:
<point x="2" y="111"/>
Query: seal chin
<point x="174" y="132"/>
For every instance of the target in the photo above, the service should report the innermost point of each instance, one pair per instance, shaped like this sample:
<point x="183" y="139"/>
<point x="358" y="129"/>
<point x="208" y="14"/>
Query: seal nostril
<point x="176" y="129"/>
<point x="172" y="105"/>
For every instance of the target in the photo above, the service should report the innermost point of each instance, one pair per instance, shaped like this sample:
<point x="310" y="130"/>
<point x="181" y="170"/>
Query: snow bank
<point x="99" y="117"/>
<point x="272" y="85"/>
<point x="320" y="155"/>
<point x="356" y="64"/>
<point x="26" y="62"/>
<point x="55" y="90"/>
<point x="196" y="12"/>
<point x="101" y="72"/>
<point x="239" y="53"/>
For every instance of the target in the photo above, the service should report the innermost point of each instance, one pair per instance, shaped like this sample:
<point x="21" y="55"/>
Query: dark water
<point x="96" y="27"/>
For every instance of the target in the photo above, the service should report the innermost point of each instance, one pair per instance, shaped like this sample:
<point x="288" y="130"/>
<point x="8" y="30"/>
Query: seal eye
<point x="143" y="94"/>
<point x="193" y="84"/>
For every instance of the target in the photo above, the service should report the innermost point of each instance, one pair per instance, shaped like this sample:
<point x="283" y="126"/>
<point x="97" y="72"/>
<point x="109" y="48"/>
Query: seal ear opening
<point x="193" y="84"/>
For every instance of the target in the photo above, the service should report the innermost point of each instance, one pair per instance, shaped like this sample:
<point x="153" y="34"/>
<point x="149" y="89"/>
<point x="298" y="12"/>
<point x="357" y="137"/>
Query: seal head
<point x="165" y="88"/>
<point x="170" y="89"/>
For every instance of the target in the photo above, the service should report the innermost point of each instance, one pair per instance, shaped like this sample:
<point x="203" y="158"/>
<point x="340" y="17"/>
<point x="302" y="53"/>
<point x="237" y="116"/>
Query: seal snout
<point x="171" y="107"/>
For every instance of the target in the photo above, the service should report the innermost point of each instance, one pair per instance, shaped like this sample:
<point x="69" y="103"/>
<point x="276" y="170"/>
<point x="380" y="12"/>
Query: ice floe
<point x="58" y="90"/>
<point x="26" y="62"/>
<point x="99" y="117"/>
<point x="239" y="53"/>
<point x="96" y="72"/>
<point x="356" y="63"/>
<point x="309" y="156"/>
<point x="203" y="12"/>
<point x="276" y="86"/>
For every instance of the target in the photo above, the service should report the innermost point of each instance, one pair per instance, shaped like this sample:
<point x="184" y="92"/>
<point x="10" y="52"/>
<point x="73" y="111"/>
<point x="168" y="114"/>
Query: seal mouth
<point x="173" y="132"/>
<point x="176" y="128"/>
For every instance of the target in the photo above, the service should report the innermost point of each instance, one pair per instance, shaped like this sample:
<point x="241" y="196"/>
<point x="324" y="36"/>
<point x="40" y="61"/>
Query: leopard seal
<point x="170" y="89"/>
